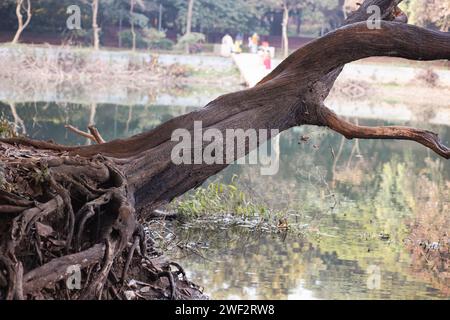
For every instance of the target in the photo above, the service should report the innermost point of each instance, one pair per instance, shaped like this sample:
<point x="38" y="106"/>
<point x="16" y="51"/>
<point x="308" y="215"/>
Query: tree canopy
<point x="209" y="16"/>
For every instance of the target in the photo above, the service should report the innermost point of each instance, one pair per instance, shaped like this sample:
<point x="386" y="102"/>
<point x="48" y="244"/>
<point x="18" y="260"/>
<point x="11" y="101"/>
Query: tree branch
<point x="289" y="82"/>
<point x="386" y="8"/>
<point x="94" y="131"/>
<point x="94" y="134"/>
<point x="80" y="132"/>
<point x="350" y="131"/>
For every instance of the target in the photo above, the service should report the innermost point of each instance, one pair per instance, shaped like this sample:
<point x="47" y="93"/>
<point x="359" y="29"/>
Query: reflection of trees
<point x="380" y="192"/>
<point x="130" y="117"/>
<point x="46" y="121"/>
<point x="18" y="122"/>
<point x="341" y="243"/>
<point x="429" y="238"/>
<point x="241" y="264"/>
<point x="352" y="173"/>
<point x="92" y="113"/>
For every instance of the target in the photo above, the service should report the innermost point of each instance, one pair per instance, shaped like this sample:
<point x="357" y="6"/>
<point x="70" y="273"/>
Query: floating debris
<point x="384" y="236"/>
<point x="304" y="139"/>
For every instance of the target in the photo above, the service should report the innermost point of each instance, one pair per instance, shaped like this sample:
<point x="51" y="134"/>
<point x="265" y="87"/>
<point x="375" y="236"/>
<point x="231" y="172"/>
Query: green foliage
<point x="190" y="39"/>
<point x="6" y="129"/>
<point x="82" y="37"/>
<point x="40" y="175"/>
<point x="147" y="38"/>
<point x="157" y="39"/>
<point x="290" y="4"/>
<point x="219" y="198"/>
<point x="220" y="15"/>
<point x="139" y="19"/>
<point x="209" y="16"/>
<point x="429" y="14"/>
<point x="127" y="39"/>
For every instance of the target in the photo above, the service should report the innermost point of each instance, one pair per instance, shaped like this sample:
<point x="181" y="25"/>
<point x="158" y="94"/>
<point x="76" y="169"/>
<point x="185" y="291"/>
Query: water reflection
<point x="367" y="205"/>
<point x="393" y="205"/>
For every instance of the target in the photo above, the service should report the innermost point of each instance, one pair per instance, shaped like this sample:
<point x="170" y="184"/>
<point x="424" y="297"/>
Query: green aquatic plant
<point x="219" y="199"/>
<point x="7" y="129"/>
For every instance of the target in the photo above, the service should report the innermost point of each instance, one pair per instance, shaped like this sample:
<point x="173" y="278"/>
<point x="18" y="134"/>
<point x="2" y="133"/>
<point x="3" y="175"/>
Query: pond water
<point x="373" y="216"/>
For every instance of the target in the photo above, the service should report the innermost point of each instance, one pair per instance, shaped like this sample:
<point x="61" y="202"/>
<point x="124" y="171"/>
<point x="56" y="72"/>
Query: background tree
<point x="287" y="6"/>
<point x="95" y="7"/>
<point x="95" y="28"/>
<point x="212" y="18"/>
<point x="132" y="22"/>
<point x="332" y="11"/>
<point x="429" y="13"/>
<point x="220" y="16"/>
<point x="189" y="22"/>
<point x="137" y="19"/>
<point x="22" y="7"/>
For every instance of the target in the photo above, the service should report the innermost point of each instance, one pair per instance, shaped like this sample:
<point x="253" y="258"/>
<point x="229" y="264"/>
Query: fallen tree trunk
<point x="65" y="206"/>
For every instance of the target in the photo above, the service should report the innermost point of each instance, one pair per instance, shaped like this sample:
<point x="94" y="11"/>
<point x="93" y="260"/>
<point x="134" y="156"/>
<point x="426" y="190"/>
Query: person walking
<point x="266" y="55"/>
<point x="238" y="43"/>
<point x="253" y="42"/>
<point x="227" y="46"/>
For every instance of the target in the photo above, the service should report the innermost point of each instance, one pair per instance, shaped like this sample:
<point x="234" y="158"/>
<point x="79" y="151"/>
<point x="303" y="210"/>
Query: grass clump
<point x="221" y="199"/>
<point x="6" y="129"/>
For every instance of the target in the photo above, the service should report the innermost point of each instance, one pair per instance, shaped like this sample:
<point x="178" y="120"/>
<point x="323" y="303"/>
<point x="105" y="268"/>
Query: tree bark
<point x="93" y="198"/>
<point x="133" y="32"/>
<point x="95" y="28"/>
<point x="284" y="27"/>
<point x="189" y="23"/>
<point x="21" y="25"/>
<point x="120" y="30"/>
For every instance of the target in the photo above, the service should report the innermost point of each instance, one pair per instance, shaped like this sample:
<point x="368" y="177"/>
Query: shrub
<point x="78" y="37"/>
<point x="192" y="39"/>
<point x="6" y="129"/>
<point x="157" y="39"/>
<point x="219" y="198"/>
<point x="126" y="38"/>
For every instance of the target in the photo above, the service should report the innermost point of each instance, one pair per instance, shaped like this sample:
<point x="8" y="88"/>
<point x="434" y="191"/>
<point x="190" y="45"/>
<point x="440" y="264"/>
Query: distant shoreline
<point x="370" y="88"/>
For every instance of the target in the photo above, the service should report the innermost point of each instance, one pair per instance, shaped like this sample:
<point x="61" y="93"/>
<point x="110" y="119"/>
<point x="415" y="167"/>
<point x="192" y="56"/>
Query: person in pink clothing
<point x="267" y="59"/>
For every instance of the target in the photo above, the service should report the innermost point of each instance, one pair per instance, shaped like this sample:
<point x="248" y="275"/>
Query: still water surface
<point x="374" y="215"/>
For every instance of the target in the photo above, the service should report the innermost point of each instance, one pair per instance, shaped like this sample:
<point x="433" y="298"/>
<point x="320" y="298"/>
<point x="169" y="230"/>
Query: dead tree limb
<point x="93" y="134"/>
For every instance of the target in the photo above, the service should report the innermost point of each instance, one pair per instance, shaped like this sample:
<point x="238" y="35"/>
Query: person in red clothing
<point x="267" y="59"/>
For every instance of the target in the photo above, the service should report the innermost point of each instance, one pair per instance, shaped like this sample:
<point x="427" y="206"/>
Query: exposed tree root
<point x="60" y="212"/>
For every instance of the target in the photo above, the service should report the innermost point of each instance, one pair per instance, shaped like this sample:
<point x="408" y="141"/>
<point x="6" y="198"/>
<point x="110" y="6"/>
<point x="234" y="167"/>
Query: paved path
<point x="251" y="67"/>
<point x="252" y="70"/>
